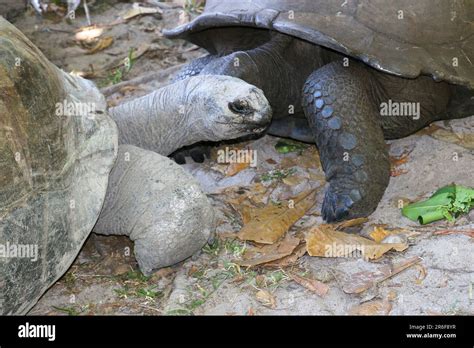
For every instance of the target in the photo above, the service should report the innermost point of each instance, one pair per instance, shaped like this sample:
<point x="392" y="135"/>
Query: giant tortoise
<point x="344" y="74"/>
<point x="67" y="167"/>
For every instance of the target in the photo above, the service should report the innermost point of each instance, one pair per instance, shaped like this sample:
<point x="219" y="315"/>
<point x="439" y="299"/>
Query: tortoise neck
<point x="158" y="121"/>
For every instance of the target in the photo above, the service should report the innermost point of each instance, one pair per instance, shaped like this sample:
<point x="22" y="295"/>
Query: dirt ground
<point x="433" y="275"/>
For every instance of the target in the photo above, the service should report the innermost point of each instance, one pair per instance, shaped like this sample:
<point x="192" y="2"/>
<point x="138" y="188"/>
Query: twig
<point x="162" y="5"/>
<point x="159" y="75"/>
<point x="86" y="10"/>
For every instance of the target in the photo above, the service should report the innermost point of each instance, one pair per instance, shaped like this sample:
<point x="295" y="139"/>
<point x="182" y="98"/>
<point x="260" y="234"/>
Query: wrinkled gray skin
<point x="336" y="105"/>
<point x="64" y="174"/>
<point x="149" y="197"/>
<point x="204" y="108"/>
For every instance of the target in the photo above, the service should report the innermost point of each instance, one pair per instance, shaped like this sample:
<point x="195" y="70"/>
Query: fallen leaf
<point x="266" y="298"/>
<point x="292" y="180"/>
<point x="128" y="89"/>
<point x="377" y="307"/>
<point x="193" y="270"/>
<point x="313" y="285"/>
<point x="238" y="279"/>
<point x="362" y="281"/>
<point x="379" y="234"/>
<point x="431" y="312"/>
<point x="269" y="253"/>
<point x="270" y="161"/>
<point x="397" y="172"/>
<point x="121" y="269"/>
<point x="289" y="260"/>
<point x="351" y="223"/>
<point x="270" y="223"/>
<point x="309" y="158"/>
<point x="139" y="10"/>
<point x="465" y="140"/>
<point x="398" y="161"/>
<point x="260" y="281"/>
<point x="325" y="241"/>
<point x="237" y="195"/>
<point x="421" y="275"/>
<point x="392" y="295"/>
<point x="162" y="273"/>
<point x="429" y="130"/>
<point x="101" y="45"/>
<point x="235" y="168"/>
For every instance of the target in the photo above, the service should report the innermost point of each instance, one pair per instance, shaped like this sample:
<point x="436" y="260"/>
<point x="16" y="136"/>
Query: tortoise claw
<point x="336" y="207"/>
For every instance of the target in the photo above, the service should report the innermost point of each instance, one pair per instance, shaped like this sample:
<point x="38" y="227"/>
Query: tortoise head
<point x="230" y="107"/>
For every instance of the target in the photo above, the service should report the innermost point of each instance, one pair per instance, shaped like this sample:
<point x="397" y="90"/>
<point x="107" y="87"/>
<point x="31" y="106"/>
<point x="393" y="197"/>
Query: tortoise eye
<point x="240" y="107"/>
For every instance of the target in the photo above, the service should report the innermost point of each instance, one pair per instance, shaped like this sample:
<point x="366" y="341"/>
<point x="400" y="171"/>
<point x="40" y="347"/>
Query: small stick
<point x="158" y="75"/>
<point x="86" y="10"/>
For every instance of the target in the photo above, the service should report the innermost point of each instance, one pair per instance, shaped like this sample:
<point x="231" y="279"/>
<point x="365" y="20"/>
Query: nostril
<point x="240" y="107"/>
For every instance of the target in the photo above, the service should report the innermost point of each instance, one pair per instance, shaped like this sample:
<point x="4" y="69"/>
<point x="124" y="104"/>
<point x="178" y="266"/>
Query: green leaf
<point x="448" y="202"/>
<point x="285" y="146"/>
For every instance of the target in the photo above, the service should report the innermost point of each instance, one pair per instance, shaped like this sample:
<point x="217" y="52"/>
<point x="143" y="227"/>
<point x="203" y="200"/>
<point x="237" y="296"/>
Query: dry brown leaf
<point x="261" y="281"/>
<point x="318" y="176"/>
<point x="361" y="281"/>
<point x="429" y="130"/>
<point x="351" y="223"/>
<point x="392" y="295"/>
<point x="270" y="223"/>
<point x="162" y="273"/>
<point x="266" y="298"/>
<point x="377" y="307"/>
<point x="245" y="200"/>
<point x="293" y="180"/>
<point x="379" y="234"/>
<point x="128" y="89"/>
<point x="235" y="168"/>
<point x="121" y="268"/>
<point x="398" y="161"/>
<point x="465" y="140"/>
<point x="139" y="10"/>
<point x="309" y="158"/>
<point x="269" y="253"/>
<point x="237" y="195"/>
<point x="270" y="161"/>
<point x="289" y="260"/>
<point x="101" y="45"/>
<point x="421" y="275"/>
<point x="397" y="172"/>
<point x="313" y="285"/>
<point x="325" y="241"/>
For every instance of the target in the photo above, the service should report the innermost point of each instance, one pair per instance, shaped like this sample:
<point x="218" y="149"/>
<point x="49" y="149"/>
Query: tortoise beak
<point x="253" y="112"/>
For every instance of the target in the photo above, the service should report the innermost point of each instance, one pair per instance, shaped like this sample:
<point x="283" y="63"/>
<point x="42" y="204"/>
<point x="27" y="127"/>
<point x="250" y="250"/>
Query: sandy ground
<point x="105" y="279"/>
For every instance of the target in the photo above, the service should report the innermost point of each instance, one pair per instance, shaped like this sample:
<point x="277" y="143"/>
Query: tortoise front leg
<point x="346" y="125"/>
<point x="158" y="205"/>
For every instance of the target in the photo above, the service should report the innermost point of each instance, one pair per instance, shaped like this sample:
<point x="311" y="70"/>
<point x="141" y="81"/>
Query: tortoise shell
<point x="57" y="147"/>
<point x="405" y="37"/>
